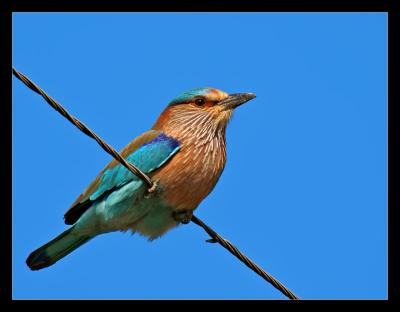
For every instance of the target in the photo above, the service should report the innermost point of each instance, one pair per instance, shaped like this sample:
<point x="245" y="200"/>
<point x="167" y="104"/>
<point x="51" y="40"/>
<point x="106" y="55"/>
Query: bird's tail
<point x="56" y="249"/>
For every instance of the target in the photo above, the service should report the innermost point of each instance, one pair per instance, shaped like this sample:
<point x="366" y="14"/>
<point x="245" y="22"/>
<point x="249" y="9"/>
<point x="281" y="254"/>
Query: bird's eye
<point x="199" y="102"/>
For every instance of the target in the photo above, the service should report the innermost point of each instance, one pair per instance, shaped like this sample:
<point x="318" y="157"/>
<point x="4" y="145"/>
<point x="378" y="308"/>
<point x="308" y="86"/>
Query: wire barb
<point x="215" y="237"/>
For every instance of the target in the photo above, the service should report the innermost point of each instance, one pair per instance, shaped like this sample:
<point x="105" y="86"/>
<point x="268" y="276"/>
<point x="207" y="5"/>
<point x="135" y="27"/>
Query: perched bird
<point x="184" y="153"/>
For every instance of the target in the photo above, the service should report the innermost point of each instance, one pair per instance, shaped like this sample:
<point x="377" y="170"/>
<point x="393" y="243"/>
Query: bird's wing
<point x="148" y="152"/>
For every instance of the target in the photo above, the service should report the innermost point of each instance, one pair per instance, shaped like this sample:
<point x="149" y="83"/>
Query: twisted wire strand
<point x="152" y="186"/>
<point x="109" y="149"/>
<point x="242" y="257"/>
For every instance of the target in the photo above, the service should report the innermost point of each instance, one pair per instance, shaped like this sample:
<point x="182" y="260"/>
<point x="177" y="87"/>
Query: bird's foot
<point x="151" y="191"/>
<point x="183" y="216"/>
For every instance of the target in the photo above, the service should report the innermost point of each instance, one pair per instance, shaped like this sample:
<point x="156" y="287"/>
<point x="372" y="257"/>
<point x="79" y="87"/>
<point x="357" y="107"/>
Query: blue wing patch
<point x="147" y="158"/>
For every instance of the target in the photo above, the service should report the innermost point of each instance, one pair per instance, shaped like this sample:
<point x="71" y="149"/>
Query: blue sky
<point x="314" y="141"/>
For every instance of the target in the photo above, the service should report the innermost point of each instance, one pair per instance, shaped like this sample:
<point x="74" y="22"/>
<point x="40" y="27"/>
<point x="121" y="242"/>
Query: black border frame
<point x="203" y="6"/>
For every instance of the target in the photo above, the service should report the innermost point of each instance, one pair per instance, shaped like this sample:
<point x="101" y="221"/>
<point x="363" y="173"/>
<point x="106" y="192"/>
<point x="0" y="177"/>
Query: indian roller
<point x="184" y="153"/>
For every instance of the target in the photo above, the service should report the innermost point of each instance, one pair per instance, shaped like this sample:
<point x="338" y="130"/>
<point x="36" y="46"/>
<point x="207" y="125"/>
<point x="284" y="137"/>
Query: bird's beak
<point x="236" y="99"/>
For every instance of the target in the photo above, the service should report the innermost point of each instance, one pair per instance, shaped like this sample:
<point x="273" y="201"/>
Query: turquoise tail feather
<point x="55" y="250"/>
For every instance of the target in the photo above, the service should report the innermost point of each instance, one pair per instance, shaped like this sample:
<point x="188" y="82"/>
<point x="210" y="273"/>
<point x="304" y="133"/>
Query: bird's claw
<point x="183" y="217"/>
<point x="211" y="240"/>
<point x="151" y="191"/>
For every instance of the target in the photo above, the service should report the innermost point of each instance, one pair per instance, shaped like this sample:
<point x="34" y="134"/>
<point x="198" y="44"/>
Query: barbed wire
<point x="109" y="149"/>
<point x="215" y="237"/>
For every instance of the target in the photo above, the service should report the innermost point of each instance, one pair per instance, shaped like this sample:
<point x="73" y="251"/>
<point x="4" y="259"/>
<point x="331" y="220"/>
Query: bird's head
<point x="201" y="110"/>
